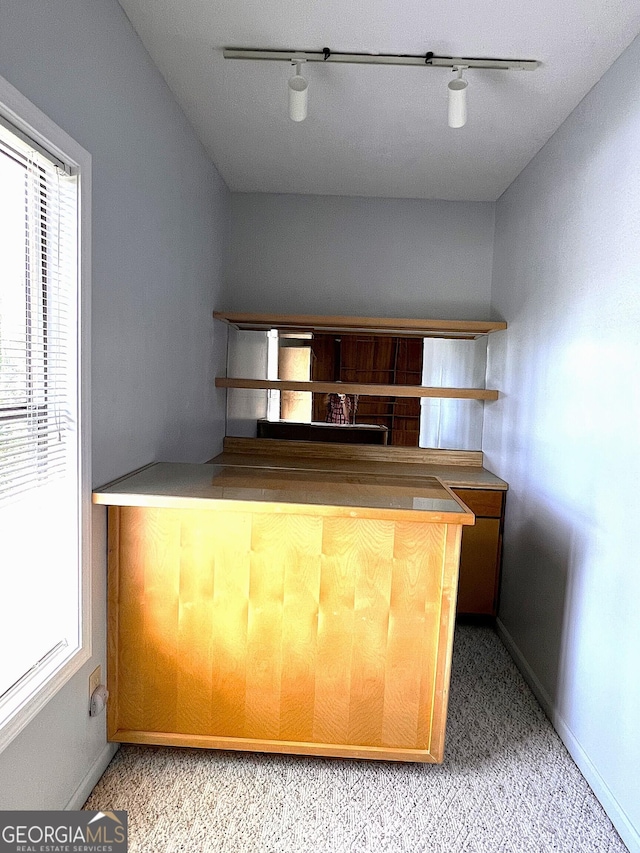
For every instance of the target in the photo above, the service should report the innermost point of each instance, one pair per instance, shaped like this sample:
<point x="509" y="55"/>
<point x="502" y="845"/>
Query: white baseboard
<point x="618" y="817"/>
<point x="96" y="770"/>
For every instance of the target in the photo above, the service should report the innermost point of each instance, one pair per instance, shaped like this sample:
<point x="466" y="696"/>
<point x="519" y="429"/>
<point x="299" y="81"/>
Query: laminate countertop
<point x="454" y="476"/>
<point x="292" y="491"/>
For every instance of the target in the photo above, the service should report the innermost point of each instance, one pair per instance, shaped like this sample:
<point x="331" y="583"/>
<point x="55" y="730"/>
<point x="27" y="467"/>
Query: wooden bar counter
<point x="275" y="610"/>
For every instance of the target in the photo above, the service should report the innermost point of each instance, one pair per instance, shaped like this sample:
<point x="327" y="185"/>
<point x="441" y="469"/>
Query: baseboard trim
<point x="96" y="770"/>
<point x="618" y="817"/>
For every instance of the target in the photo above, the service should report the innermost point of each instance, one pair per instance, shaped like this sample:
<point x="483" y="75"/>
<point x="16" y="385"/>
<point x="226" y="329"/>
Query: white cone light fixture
<point x="298" y="93"/>
<point x="458" y="99"/>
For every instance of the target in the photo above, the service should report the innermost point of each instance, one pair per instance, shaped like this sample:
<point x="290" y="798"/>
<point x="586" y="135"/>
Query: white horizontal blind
<point x="37" y="318"/>
<point x="39" y="440"/>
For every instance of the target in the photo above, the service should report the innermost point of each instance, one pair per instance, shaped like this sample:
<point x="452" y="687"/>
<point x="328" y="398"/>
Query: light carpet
<point x="507" y="785"/>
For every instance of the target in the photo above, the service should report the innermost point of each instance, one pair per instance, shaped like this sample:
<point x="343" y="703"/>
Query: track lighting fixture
<point x="298" y="85"/>
<point x="298" y="93"/>
<point x="458" y="99"/>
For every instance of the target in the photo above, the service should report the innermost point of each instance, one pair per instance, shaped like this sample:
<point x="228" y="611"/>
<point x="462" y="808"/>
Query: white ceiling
<point x="374" y="130"/>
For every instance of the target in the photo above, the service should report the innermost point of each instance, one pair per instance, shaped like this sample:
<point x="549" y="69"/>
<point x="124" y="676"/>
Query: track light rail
<point x="428" y="60"/>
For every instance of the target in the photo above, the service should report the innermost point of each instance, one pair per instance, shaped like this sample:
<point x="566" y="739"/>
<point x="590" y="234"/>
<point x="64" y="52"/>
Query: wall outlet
<point x="95" y="680"/>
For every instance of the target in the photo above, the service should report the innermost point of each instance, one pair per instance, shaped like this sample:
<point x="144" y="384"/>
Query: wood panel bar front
<point x="321" y="633"/>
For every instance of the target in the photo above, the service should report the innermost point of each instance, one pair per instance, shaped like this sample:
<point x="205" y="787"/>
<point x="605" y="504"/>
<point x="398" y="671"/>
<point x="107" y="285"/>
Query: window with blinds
<point x="40" y="513"/>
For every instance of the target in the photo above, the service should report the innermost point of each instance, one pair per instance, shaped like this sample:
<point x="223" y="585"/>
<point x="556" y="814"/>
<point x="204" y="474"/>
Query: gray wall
<point x="159" y="219"/>
<point x="566" y="432"/>
<point x="369" y="257"/>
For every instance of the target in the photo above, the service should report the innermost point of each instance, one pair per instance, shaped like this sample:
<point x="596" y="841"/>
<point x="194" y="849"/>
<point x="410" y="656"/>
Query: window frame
<point x="34" y="124"/>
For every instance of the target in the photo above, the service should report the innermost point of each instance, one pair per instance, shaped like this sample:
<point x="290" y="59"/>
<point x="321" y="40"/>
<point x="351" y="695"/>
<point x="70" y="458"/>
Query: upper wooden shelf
<point x="462" y="329"/>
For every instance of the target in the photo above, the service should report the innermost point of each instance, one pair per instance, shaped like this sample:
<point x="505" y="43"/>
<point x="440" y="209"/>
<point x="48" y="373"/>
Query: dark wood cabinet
<point x="315" y="431"/>
<point x="367" y="359"/>
<point x="481" y="552"/>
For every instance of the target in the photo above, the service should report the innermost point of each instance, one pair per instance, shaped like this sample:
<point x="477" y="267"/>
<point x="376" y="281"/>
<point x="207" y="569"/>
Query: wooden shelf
<point x="462" y="329"/>
<point x="366" y="389"/>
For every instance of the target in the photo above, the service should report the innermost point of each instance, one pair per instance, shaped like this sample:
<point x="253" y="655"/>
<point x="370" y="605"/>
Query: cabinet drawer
<point x="486" y="503"/>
